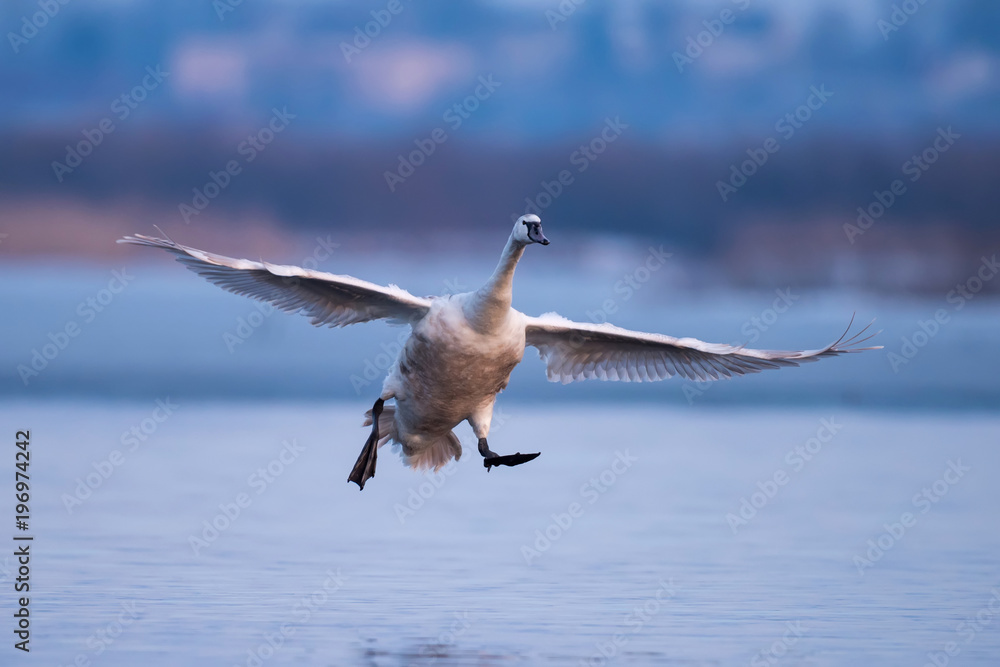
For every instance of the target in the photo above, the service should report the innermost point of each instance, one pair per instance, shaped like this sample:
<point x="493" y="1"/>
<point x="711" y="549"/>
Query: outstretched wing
<point x="575" y="351"/>
<point x="326" y="298"/>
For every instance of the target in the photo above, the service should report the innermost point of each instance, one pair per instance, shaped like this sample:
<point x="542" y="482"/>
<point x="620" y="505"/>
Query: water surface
<point x="556" y="562"/>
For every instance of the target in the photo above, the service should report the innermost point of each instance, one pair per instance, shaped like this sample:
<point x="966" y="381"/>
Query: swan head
<point x="528" y="230"/>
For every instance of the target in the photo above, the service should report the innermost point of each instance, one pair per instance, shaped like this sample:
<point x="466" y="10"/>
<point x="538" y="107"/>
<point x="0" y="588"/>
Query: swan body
<point x="463" y="347"/>
<point x="447" y="373"/>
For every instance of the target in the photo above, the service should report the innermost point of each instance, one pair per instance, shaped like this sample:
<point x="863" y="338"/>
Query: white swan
<point x="463" y="347"/>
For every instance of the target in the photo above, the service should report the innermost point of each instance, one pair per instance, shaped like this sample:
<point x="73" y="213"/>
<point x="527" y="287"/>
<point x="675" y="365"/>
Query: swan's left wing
<point x="327" y="299"/>
<point x="576" y="351"/>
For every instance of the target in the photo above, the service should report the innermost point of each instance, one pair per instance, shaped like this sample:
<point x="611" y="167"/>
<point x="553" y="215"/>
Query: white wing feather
<point x="577" y="351"/>
<point x="327" y="299"/>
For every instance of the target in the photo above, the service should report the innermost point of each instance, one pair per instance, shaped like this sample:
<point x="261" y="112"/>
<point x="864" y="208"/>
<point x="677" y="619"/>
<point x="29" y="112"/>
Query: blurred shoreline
<point x="890" y="258"/>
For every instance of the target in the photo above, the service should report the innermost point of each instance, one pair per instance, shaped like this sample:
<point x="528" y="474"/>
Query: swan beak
<point x="536" y="235"/>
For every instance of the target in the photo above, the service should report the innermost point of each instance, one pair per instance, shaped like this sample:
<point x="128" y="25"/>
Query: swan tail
<point x="430" y="455"/>
<point x="433" y="454"/>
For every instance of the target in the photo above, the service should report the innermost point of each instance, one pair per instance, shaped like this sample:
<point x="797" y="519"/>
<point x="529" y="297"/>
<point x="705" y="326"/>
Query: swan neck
<point x="492" y="302"/>
<point x="502" y="280"/>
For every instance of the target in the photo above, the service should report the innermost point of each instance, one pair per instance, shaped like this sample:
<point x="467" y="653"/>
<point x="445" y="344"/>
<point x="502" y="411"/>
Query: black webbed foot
<point x="509" y="460"/>
<point x="491" y="458"/>
<point x="364" y="467"/>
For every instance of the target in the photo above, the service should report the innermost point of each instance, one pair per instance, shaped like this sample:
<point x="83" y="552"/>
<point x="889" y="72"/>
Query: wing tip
<point x="143" y="240"/>
<point x="852" y="344"/>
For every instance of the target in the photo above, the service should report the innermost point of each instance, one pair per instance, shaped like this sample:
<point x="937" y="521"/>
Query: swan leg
<point x="364" y="468"/>
<point x="491" y="458"/>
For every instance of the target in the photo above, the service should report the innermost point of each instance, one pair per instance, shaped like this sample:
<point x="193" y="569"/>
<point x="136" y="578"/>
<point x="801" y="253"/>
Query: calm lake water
<point x="624" y="539"/>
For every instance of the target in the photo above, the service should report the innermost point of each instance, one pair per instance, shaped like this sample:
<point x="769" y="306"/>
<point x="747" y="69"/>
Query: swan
<point x="463" y="347"/>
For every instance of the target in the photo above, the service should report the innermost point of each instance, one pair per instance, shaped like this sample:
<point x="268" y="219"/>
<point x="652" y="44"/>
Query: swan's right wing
<point x="327" y="299"/>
